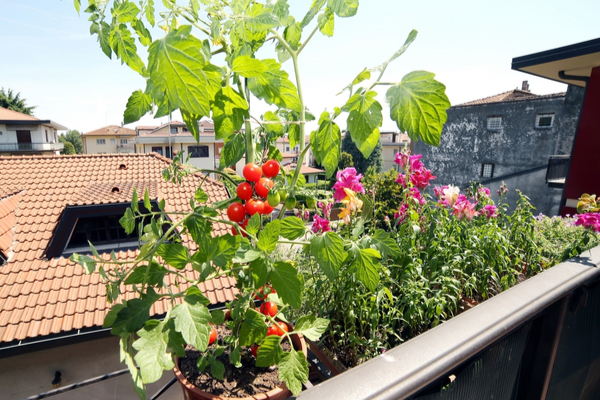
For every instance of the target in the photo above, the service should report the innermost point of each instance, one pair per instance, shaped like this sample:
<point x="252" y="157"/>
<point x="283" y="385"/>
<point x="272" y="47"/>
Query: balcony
<point x="125" y="148"/>
<point x="556" y="173"/>
<point x="27" y="147"/>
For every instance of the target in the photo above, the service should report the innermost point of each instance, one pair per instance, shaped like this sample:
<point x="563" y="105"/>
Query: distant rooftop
<point x="510" y="96"/>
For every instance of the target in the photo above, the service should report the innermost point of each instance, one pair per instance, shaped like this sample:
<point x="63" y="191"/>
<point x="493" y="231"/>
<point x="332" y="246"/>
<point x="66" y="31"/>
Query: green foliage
<point x="180" y="73"/>
<point x="345" y="160"/>
<point x="361" y="163"/>
<point x="68" y="149"/>
<point x="14" y="102"/>
<point x="74" y="138"/>
<point x="387" y="194"/>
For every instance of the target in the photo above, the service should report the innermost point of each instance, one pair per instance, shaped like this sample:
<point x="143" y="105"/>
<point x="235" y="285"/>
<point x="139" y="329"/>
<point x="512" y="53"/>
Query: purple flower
<point x="349" y="179"/>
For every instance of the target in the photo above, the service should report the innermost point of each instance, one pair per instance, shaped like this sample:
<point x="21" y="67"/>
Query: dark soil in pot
<point x="249" y="380"/>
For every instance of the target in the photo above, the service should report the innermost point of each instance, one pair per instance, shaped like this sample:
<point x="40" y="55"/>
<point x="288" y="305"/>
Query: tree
<point x="360" y="162"/>
<point x="345" y="161"/>
<point x="14" y="102"/>
<point x="69" y="148"/>
<point x="73" y="137"/>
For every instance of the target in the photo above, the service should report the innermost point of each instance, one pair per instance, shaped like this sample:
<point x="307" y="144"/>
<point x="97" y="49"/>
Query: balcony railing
<point x="557" y="170"/>
<point x="31" y="146"/>
<point x="538" y="340"/>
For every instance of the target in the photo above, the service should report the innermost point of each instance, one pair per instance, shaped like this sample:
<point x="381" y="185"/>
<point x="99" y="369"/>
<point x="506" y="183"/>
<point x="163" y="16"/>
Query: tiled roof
<point x="39" y="296"/>
<point x="311" y="170"/>
<point x="6" y="114"/>
<point x="8" y="206"/>
<point x="111" y="130"/>
<point x="511" y="95"/>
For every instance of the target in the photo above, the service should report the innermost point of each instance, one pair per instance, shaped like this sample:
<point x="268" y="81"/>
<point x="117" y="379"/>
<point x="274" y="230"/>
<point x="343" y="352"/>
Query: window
<point x="112" y="141"/>
<point x="99" y="230"/>
<point x="173" y="129"/>
<point x="47" y="141"/>
<point x="494" y="123"/>
<point x="123" y="141"/>
<point x="157" y="149"/>
<point x="487" y="170"/>
<point x="168" y="151"/>
<point x="544" y="121"/>
<point x="100" y="141"/>
<point x="198" y="151"/>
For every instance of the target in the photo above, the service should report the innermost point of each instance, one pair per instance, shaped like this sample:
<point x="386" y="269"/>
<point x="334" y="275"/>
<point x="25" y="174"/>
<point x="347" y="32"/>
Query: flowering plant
<point x="207" y="65"/>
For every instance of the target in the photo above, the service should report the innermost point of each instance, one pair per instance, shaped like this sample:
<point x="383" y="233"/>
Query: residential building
<point x="51" y="312"/>
<point x="509" y="138"/>
<point x="392" y="143"/>
<point x="108" y="140"/>
<point x="22" y="134"/>
<point x="174" y="137"/>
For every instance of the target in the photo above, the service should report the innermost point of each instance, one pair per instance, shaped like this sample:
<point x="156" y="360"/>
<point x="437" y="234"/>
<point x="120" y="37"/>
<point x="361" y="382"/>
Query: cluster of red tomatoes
<point x="269" y="308"/>
<point x="256" y="194"/>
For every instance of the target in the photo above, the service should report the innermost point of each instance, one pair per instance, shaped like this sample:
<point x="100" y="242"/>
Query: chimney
<point x="525" y="86"/>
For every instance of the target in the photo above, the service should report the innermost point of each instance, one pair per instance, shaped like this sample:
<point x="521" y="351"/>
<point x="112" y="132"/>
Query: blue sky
<point x="50" y="58"/>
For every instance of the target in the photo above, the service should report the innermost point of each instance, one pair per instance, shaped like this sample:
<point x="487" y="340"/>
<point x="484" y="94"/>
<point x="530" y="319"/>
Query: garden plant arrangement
<point x="206" y="65"/>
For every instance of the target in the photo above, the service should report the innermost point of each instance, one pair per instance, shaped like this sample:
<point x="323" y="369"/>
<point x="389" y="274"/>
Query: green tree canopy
<point x="14" y="102"/>
<point x="360" y="162"/>
<point x="69" y="148"/>
<point x="73" y="137"/>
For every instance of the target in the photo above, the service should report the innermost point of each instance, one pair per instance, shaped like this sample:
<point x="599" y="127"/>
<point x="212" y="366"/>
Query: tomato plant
<point x="236" y="212"/>
<point x="213" y="336"/>
<point x="280" y="329"/>
<point x="273" y="198"/>
<point x="252" y="172"/>
<point x="267" y="208"/>
<point x="254" y="349"/>
<point x="290" y="202"/>
<point x="271" y="168"/>
<point x="244" y="191"/>
<point x="268" y="308"/>
<point x="263" y="186"/>
<point x="254" y="207"/>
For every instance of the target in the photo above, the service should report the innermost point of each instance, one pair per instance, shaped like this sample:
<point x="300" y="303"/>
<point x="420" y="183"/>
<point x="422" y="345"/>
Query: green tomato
<point x="273" y="198"/>
<point x="290" y="202"/>
<point x="282" y="194"/>
<point x="311" y="202"/>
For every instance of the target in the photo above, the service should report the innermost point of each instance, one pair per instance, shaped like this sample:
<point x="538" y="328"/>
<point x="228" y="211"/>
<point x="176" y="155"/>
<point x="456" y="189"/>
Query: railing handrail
<point x="410" y="367"/>
<point x="31" y="146"/>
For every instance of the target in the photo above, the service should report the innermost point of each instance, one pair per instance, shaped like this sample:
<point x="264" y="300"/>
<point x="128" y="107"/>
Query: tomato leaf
<point x="288" y="282"/>
<point x="270" y="351"/>
<point x="293" y="370"/>
<point x="253" y="328"/>
<point x="326" y="142"/>
<point x="268" y="237"/>
<point x="292" y="228"/>
<point x="311" y="326"/>
<point x="191" y="319"/>
<point x="152" y="356"/>
<point x="328" y="250"/>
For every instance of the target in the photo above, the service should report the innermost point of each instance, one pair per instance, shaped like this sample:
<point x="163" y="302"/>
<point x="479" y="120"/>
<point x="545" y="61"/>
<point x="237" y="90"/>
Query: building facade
<point x="507" y="138"/>
<point x="109" y="140"/>
<point x="22" y="134"/>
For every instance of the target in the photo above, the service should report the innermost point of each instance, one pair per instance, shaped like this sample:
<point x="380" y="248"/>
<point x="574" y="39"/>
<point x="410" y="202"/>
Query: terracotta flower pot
<point x="191" y="392"/>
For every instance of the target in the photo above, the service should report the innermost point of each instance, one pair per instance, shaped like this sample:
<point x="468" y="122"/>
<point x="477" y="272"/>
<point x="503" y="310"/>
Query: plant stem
<point x="307" y="39"/>
<point x="248" y="127"/>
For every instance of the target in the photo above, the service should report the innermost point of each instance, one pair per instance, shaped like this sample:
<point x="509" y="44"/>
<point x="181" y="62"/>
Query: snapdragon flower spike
<point x="490" y="211"/>
<point x="464" y="208"/>
<point x="320" y="225"/>
<point x="347" y="179"/>
<point x="589" y="221"/>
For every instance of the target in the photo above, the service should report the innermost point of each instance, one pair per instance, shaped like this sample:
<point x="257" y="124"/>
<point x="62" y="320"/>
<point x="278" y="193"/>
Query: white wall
<point x="32" y="373"/>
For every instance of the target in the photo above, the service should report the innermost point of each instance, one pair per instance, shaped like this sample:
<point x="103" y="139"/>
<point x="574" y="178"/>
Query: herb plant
<point x="206" y="65"/>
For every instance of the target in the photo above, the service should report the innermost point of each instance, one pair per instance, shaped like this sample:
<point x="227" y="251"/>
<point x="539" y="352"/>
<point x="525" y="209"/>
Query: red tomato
<point x="279" y="329"/>
<point x="254" y="206"/>
<point x="263" y="186"/>
<point x="244" y="191"/>
<point x="234" y="231"/>
<point x="267" y="208"/>
<point x="213" y="336"/>
<point x="254" y="349"/>
<point x="236" y="212"/>
<point x="271" y="331"/>
<point x="268" y="308"/>
<point x="270" y="168"/>
<point x="252" y="172"/>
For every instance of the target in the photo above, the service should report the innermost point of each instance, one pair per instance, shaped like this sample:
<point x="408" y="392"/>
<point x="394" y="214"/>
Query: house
<point x="170" y="138"/>
<point x="577" y="65"/>
<point x="51" y="313"/>
<point x="22" y="134"/>
<point x="107" y="140"/>
<point x="391" y="144"/>
<point x="509" y="137"/>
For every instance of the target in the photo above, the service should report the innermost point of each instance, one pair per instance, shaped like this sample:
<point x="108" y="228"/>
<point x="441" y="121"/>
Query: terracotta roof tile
<point x="511" y="95"/>
<point x="6" y="114"/>
<point x="40" y="296"/>
<point x="111" y="130"/>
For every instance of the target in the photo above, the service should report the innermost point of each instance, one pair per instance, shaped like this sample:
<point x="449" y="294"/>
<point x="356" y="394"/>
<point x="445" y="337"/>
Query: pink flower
<point x="326" y="207"/>
<point x="408" y="162"/>
<point x="401" y="179"/>
<point x="464" y="208"/>
<point x="320" y="224"/>
<point x="421" y="177"/>
<point x="484" y="191"/>
<point x="589" y="221"/>
<point x="400" y="216"/>
<point x="415" y="194"/>
<point x="490" y="211"/>
<point x="449" y="195"/>
<point x="438" y="191"/>
<point x="347" y="179"/>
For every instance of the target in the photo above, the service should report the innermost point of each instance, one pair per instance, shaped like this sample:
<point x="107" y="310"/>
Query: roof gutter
<point x="562" y="75"/>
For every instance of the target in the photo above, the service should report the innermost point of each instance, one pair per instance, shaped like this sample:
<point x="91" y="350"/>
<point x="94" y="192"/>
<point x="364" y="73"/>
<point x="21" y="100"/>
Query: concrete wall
<point x="92" y="147"/>
<point x="466" y="144"/>
<point x="32" y="373"/>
